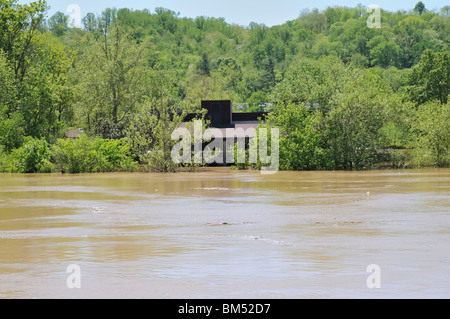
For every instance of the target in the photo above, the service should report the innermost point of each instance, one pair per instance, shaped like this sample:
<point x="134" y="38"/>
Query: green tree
<point x="258" y="101"/>
<point x="166" y="20"/>
<point x="430" y="79"/>
<point x="39" y="67"/>
<point x="8" y="90"/>
<point x="113" y="79"/>
<point x="90" y="155"/>
<point x="312" y="82"/>
<point x="45" y="95"/>
<point x="385" y="54"/>
<point x="445" y="10"/>
<point x="352" y="104"/>
<point x="432" y="129"/>
<point x="300" y="137"/>
<point x="420" y="7"/>
<point x="204" y="65"/>
<point x="352" y="128"/>
<point x="150" y="131"/>
<point x="90" y="22"/>
<point x="18" y="27"/>
<point x="229" y="72"/>
<point x="59" y="23"/>
<point x="409" y="32"/>
<point x="11" y="129"/>
<point x="32" y="157"/>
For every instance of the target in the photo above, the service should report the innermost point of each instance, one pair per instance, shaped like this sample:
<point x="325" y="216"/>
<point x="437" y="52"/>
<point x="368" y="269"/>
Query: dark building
<point x="220" y="113"/>
<point x="221" y="116"/>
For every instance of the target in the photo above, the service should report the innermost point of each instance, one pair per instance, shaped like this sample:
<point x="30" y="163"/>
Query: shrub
<point x="400" y="158"/>
<point x="432" y="128"/>
<point x="11" y="129"/>
<point x="4" y="160"/>
<point x="116" y="155"/>
<point x="300" y="138"/>
<point x="90" y="155"/>
<point x="33" y="157"/>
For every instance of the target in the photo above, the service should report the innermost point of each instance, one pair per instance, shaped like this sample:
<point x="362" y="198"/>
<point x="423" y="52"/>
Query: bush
<point x="300" y="137"/>
<point x="11" y="129"/>
<point x="4" y="160"/>
<point x="432" y="129"/>
<point x="400" y="158"/>
<point x="33" y="157"/>
<point x="116" y="155"/>
<point x="90" y="155"/>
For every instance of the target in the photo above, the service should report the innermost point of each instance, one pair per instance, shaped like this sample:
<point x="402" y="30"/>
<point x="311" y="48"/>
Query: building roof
<point x="239" y="130"/>
<point x="238" y="124"/>
<point x="75" y="133"/>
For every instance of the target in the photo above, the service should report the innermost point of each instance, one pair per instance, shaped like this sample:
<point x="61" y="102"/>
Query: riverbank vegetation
<point x="344" y="96"/>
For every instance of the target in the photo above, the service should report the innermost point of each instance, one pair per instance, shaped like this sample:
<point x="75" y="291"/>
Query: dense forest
<point x="344" y="95"/>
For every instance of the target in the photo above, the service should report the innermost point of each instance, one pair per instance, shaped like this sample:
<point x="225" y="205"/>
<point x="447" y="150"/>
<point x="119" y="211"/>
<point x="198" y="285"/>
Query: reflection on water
<point x="220" y="233"/>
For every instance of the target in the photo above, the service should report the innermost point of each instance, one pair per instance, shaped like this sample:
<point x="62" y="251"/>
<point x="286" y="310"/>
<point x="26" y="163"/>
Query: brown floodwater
<point x="221" y="233"/>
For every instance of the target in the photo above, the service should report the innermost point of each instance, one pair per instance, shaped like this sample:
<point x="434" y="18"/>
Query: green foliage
<point x="112" y="81"/>
<point x="18" y="26"/>
<point x="4" y="160"/>
<point x="11" y="129"/>
<point x="360" y="115"/>
<point x="300" y="137"/>
<point x="261" y="152"/>
<point x="32" y="157"/>
<point x="430" y="79"/>
<point x="257" y="102"/>
<point x="8" y="90"/>
<point x="90" y="155"/>
<point x="263" y="53"/>
<point x="432" y="127"/>
<point x="400" y="158"/>
<point x="59" y="23"/>
<point x="312" y="82"/>
<point x="342" y="93"/>
<point x="36" y="66"/>
<point x="420" y="7"/>
<point x="352" y="130"/>
<point x="386" y="54"/>
<point x="204" y="64"/>
<point x="149" y="134"/>
<point x="331" y="116"/>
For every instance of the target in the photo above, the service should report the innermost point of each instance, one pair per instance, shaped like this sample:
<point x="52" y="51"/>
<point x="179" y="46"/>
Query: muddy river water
<point x="222" y="233"/>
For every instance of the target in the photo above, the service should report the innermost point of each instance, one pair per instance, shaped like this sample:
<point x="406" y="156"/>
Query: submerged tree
<point x="150" y="131"/>
<point x="330" y="113"/>
<point x="432" y="130"/>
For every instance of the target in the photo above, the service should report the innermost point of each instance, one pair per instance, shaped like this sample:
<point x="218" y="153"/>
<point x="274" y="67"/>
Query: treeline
<point x="344" y="95"/>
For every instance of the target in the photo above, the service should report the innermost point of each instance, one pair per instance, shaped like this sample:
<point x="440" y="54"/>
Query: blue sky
<point x="269" y="12"/>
